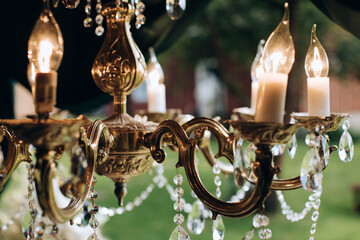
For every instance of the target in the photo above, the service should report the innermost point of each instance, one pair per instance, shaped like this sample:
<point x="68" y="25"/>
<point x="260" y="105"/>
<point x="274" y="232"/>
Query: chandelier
<point x="121" y="147"/>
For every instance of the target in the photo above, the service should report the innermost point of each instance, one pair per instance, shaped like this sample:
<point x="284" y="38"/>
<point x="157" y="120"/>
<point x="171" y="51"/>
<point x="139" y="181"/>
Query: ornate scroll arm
<point x="187" y="149"/>
<point x="17" y="152"/>
<point x="225" y="140"/>
<point x="46" y="168"/>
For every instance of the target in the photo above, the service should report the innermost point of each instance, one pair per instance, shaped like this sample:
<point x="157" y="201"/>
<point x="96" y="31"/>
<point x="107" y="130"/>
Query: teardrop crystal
<point x="346" y="147"/>
<point x="311" y="171"/>
<point x="277" y="150"/>
<point x="196" y="218"/>
<point x="175" y="8"/>
<point x="292" y="146"/>
<point x="179" y="234"/>
<point x="324" y="150"/>
<point x="249" y="161"/>
<point x="218" y="228"/>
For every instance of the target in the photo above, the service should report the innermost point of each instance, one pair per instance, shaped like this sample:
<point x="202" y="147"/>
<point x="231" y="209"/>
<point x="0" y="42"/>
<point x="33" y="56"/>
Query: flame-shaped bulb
<point x="45" y="52"/>
<point x="257" y="67"/>
<point x="46" y="44"/>
<point x="279" y="50"/>
<point x="316" y="61"/>
<point x="155" y="74"/>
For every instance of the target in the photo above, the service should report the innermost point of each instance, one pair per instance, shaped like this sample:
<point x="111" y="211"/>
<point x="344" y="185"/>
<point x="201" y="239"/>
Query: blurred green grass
<point x="154" y="218"/>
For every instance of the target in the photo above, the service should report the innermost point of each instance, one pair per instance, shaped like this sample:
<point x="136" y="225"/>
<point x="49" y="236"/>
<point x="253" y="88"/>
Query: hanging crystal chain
<point x="93" y="208"/>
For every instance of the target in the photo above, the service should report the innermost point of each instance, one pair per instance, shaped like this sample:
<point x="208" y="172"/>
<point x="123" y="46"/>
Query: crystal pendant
<point x="292" y="146"/>
<point x="175" y="8"/>
<point x="196" y="218"/>
<point x="239" y="167"/>
<point x="179" y="234"/>
<point x="260" y="220"/>
<point x="325" y="151"/>
<point x="346" y="147"/>
<point x="311" y="171"/>
<point x="249" y="160"/>
<point x="218" y="228"/>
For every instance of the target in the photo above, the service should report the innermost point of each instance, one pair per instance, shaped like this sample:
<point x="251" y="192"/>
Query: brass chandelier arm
<point x="46" y="169"/>
<point x="225" y="140"/>
<point x="17" y="152"/>
<point x="187" y="148"/>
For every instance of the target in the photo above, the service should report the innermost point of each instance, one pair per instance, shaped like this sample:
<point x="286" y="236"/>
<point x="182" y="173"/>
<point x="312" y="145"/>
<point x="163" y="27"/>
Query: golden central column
<point x="118" y="69"/>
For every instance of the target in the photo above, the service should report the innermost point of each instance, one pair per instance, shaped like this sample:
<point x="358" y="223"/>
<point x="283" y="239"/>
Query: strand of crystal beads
<point x="99" y="30"/>
<point x="93" y="209"/>
<point x="140" y="17"/>
<point x="218" y="227"/>
<point x="241" y="192"/>
<point x="315" y="198"/>
<point x="179" y="233"/>
<point x="88" y="22"/>
<point x="262" y="221"/>
<point x="29" y="233"/>
<point x="346" y="144"/>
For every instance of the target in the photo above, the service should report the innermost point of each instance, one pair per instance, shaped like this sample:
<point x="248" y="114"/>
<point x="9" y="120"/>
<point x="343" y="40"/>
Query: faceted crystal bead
<point x="179" y="234"/>
<point x="179" y="218"/>
<point x="140" y="20"/>
<point x="55" y="229"/>
<point x="292" y="146"/>
<point x="346" y="147"/>
<point x="120" y="210"/>
<point x="218" y="228"/>
<point x="179" y="192"/>
<point x="216" y="169"/>
<point x="315" y="216"/>
<point x="99" y="30"/>
<point x="260" y="220"/>
<point x="178" y="179"/>
<point x="88" y="9"/>
<point x="98" y="7"/>
<point x="311" y="171"/>
<point x="129" y="207"/>
<point x="88" y="22"/>
<point x="218" y="192"/>
<point x="311" y="139"/>
<point x="93" y="222"/>
<point x="196" y="218"/>
<point x="265" y="233"/>
<point x="99" y="19"/>
<point x="313" y="229"/>
<point x="93" y="195"/>
<point x="175" y="8"/>
<point x="93" y="236"/>
<point x="140" y="6"/>
<point x="217" y="181"/>
<point x="278" y="150"/>
<point x="179" y="205"/>
<point x="93" y="208"/>
<point x="250" y="234"/>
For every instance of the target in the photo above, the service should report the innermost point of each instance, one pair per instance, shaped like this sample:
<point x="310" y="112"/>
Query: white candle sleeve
<point x="156" y="98"/>
<point x="318" y="96"/>
<point x="271" y="97"/>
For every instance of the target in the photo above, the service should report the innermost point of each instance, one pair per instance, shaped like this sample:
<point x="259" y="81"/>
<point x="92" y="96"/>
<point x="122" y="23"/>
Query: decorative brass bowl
<point x="264" y="132"/>
<point x="325" y="124"/>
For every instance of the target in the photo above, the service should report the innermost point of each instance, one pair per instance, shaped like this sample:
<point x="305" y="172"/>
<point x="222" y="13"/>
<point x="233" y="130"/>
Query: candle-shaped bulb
<point x="45" y="47"/>
<point x="279" y="50"/>
<point x="155" y="85"/>
<point x="155" y="74"/>
<point x="45" y="52"/>
<point x="257" y="66"/>
<point x="316" y="61"/>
